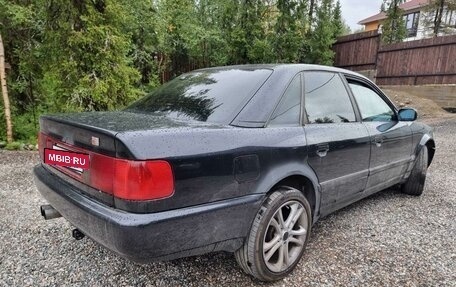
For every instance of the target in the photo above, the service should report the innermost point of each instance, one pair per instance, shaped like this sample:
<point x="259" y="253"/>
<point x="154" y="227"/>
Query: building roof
<point x="377" y="17"/>
<point x="407" y="6"/>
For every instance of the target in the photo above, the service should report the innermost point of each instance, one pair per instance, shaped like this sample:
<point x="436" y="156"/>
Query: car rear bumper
<point x="222" y="225"/>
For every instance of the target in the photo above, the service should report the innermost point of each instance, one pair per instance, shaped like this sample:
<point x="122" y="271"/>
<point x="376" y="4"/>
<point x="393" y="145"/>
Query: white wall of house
<point x="423" y="31"/>
<point x="425" y="23"/>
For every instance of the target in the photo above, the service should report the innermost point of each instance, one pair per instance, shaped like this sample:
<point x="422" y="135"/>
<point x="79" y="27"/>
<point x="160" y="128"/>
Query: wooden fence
<point x="421" y="62"/>
<point x="357" y="52"/>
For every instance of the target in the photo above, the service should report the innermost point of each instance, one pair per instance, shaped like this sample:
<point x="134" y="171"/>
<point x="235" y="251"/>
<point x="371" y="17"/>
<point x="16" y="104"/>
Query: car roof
<point x="258" y="109"/>
<point x="285" y="67"/>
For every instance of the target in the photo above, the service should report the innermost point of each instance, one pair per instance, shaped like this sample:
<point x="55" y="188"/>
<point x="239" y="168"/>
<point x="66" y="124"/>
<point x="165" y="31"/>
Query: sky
<point x="354" y="11"/>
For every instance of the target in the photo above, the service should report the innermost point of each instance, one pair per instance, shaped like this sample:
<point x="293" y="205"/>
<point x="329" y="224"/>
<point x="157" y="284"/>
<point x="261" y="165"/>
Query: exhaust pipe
<point x="49" y="212"/>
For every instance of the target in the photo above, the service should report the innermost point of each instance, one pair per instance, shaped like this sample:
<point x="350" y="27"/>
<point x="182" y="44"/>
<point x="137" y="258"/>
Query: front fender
<point x="426" y="139"/>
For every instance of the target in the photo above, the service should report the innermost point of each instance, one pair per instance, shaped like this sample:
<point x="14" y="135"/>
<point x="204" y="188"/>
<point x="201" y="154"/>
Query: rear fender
<point x="273" y="176"/>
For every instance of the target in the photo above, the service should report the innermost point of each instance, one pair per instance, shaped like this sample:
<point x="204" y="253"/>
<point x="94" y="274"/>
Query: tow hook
<point x="77" y="234"/>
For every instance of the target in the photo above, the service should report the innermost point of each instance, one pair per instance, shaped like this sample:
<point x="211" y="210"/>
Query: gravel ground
<point x="388" y="239"/>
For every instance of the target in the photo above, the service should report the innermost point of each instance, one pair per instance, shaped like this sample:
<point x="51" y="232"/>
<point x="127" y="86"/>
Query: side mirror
<point x="407" y="115"/>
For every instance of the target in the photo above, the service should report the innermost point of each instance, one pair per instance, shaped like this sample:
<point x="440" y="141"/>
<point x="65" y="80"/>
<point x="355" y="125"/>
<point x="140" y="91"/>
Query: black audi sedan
<point x="243" y="159"/>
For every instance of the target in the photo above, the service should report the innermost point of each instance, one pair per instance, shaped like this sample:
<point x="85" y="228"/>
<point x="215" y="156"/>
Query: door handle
<point x="378" y="140"/>
<point x="322" y="150"/>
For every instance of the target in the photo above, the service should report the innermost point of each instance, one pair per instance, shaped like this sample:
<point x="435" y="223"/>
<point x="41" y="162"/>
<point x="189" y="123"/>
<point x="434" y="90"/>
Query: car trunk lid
<point x="94" y="134"/>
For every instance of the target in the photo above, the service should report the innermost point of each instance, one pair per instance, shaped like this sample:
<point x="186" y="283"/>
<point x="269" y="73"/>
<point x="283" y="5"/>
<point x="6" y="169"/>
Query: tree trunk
<point x="438" y="17"/>
<point x="9" y="125"/>
<point x="311" y="10"/>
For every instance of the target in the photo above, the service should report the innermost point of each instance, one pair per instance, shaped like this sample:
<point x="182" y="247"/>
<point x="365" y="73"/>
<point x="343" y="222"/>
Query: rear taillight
<point x="143" y="180"/>
<point x="125" y="179"/>
<point x="131" y="179"/>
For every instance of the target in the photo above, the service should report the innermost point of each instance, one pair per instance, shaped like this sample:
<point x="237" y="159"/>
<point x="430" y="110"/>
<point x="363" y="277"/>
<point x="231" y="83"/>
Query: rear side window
<point x="212" y="95"/>
<point x="371" y="105"/>
<point x="288" y="112"/>
<point x="326" y="99"/>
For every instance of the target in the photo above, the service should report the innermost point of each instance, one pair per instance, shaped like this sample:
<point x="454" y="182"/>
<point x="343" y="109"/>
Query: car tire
<point x="415" y="183"/>
<point x="278" y="236"/>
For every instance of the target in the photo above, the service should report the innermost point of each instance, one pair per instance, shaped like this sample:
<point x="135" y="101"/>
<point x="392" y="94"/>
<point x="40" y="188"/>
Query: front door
<point x="391" y="140"/>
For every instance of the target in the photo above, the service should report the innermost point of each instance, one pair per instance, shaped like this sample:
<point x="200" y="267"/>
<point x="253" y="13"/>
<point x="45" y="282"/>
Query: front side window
<point x="288" y="112"/>
<point x="326" y="99"/>
<point x="371" y="105"/>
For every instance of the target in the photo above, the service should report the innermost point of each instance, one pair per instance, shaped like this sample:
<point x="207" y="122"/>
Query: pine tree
<point x="339" y="26"/>
<point x="86" y="47"/>
<point x="249" y="38"/>
<point x="322" y="37"/>
<point x="209" y="46"/>
<point x="393" y="29"/>
<point x="177" y="24"/>
<point x="141" y="24"/>
<point x="286" y="39"/>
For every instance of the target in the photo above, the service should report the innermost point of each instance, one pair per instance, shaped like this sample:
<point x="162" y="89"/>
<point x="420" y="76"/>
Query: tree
<point x="436" y="18"/>
<point x="286" y="38"/>
<point x="86" y="48"/>
<point x="339" y="25"/>
<point x="141" y="19"/>
<point x="311" y="10"/>
<point x="322" y="36"/>
<point x="103" y="54"/>
<point x="21" y="31"/>
<point x="249" y="38"/>
<point x="393" y="29"/>
<point x="438" y="15"/>
<point x="209" y="45"/>
<point x="6" y="103"/>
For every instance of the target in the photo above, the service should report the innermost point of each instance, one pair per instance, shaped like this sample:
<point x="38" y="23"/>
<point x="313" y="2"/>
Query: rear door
<point x="338" y="143"/>
<point x="391" y="140"/>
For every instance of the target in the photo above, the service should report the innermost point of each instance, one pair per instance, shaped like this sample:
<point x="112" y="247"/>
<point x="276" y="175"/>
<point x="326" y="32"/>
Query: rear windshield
<point x="208" y="96"/>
